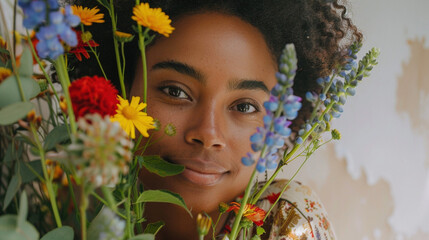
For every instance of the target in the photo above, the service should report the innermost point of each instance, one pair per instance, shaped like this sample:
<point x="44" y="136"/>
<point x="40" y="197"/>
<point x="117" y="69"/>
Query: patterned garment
<point x="299" y="214"/>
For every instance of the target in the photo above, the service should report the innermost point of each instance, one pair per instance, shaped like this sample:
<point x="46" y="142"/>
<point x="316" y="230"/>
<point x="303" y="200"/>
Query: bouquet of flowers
<point x="62" y="144"/>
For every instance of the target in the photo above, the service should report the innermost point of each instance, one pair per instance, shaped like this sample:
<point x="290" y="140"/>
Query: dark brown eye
<point x="175" y="92"/>
<point x="246" y="108"/>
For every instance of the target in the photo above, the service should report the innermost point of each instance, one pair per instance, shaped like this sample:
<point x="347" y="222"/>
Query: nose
<point x="207" y="128"/>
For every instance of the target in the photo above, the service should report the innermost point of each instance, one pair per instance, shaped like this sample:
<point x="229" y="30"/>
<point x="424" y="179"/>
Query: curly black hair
<point x="319" y="29"/>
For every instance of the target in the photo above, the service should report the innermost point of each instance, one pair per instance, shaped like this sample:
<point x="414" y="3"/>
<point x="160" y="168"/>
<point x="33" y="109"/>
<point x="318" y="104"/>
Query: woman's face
<point x="209" y="79"/>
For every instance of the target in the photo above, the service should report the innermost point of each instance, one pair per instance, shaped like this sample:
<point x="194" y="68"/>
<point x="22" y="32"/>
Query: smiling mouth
<point x="199" y="177"/>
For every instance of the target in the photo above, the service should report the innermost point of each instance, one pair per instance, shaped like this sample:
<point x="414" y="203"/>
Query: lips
<point x="200" y="172"/>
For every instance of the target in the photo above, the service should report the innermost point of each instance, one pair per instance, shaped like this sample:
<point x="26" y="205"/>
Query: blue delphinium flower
<point x="281" y="107"/>
<point x="34" y="12"/>
<point x="54" y="26"/>
<point x="49" y="45"/>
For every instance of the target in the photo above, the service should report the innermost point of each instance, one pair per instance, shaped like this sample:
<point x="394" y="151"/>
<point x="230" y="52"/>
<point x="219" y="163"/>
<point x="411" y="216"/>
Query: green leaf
<point x="10" y="231"/>
<point x="56" y="136"/>
<point x="9" y="92"/>
<point x="26" y="68"/>
<point x="63" y="233"/>
<point x="153" y="228"/>
<point x="163" y="196"/>
<point x="156" y="164"/>
<point x="14" y="112"/>
<point x="26" y="174"/>
<point x="23" y="210"/>
<point x="144" y="236"/>
<point x="4" y="51"/>
<point x="14" y="184"/>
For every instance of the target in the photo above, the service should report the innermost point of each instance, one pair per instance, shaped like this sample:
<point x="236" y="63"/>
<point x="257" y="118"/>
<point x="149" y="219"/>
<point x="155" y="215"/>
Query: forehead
<point x="217" y="43"/>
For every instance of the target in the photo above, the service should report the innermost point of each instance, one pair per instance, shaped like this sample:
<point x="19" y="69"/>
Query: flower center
<point x="129" y="112"/>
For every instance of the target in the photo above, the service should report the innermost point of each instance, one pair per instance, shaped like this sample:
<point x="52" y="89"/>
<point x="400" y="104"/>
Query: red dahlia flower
<point x="93" y="95"/>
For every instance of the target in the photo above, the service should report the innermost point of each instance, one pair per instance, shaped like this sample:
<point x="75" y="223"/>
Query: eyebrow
<point x="248" y="85"/>
<point x="182" y="68"/>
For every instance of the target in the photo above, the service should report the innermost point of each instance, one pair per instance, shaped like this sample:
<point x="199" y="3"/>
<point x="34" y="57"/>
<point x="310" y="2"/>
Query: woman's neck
<point x="178" y="223"/>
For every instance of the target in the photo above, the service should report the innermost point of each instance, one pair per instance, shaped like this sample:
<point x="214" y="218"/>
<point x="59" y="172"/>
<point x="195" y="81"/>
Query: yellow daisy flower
<point x="88" y="16"/>
<point x="130" y="116"/>
<point x="153" y="18"/>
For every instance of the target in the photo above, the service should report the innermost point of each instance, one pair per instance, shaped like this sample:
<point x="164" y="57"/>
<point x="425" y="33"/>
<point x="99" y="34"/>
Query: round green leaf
<point x="10" y="231"/>
<point x="63" y="233"/>
<point x="14" y="112"/>
<point x="9" y="91"/>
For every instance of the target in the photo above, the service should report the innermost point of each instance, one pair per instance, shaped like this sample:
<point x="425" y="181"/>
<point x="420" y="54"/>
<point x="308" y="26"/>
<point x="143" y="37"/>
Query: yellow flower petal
<point x="88" y="16"/>
<point x="153" y="18"/>
<point x="130" y="117"/>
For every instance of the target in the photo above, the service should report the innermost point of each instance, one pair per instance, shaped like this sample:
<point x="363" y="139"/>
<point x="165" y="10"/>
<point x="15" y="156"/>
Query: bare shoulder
<point x="299" y="213"/>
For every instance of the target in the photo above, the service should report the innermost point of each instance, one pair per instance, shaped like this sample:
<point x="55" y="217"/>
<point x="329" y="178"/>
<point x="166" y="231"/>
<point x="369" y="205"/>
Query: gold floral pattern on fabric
<point x="299" y="214"/>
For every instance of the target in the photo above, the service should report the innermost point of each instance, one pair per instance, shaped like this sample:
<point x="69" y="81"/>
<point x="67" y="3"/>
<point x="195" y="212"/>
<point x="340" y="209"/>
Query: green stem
<point x="116" y="48"/>
<point x="128" y="210"/>
<point x="65" y="82"/>
<point x="83" y="206"/>
<point x="143" y="56"/>
<point x="72" y="193"/>
<point x="98" y="60"/>
<point x="48" y="181"/>
<point x="235" y="227"/>
<point x="214" y="226"/>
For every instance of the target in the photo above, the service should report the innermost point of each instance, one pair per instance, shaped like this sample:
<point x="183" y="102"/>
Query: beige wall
<point x="375" y="181"/>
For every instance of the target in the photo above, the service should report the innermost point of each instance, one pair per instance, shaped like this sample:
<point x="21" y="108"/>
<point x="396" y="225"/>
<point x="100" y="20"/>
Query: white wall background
<point x="374" y="182"/>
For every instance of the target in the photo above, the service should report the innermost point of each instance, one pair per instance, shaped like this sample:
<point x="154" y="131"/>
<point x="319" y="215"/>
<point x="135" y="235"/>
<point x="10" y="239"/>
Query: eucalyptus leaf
<point x="153" y="228"/>
<point x="144" y="236"/>
<point x="58" y="135"/>
<point x="162" y="196"/>
<point x="63" y="233"/>
<point x="14" y="112"/>
<point x="23" y="210"/>
<point x="26" y="68"/>
<point x="9" y="91"/>
<point x="156" y="164"/>
<point x="10" y="231"/>
<point x="12" y="189"/>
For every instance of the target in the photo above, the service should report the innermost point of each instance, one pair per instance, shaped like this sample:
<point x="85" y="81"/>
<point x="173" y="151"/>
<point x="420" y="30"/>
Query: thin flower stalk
<point x="48" y="180"/>
<point x="63" y="76"/>
<point x="95" y="55"/>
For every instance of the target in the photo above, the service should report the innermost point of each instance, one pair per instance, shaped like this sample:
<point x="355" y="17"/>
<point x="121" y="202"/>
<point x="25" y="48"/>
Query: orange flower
<point x="88" y="16"/>
<point x="153" y="18"/>
<point x="251" y="212"/>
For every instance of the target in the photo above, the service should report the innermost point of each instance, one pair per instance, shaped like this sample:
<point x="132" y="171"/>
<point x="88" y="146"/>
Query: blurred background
<point x="374" y="182"/>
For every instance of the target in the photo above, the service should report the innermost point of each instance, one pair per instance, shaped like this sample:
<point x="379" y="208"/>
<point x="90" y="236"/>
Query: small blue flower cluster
<point x="53" y="25"/>
<point x="339" y="85"/>
<point x="282" y="107"/>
